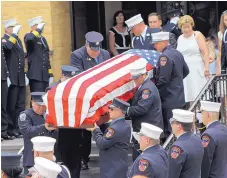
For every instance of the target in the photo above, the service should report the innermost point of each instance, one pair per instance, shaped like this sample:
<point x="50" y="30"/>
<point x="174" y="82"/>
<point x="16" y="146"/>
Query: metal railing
<point x="215" y="90"/>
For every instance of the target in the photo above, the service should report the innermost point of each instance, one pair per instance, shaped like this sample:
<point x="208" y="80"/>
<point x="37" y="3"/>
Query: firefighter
<point x="214" y="141"/>
<point x="39" y="69"/>
<point x="14" y="56"/>
<point x="83" y="59"/>
<point x="114" y="143"/>
<point x="143" y="38"/>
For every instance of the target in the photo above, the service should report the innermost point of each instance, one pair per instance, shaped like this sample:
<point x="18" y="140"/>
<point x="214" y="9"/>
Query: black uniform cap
<point x="10" y="160"/>
<point x="38" y="97"/>
<point x="69" y="71"/>
<point x="117" y="103"/>
<point x="94" y="40"/>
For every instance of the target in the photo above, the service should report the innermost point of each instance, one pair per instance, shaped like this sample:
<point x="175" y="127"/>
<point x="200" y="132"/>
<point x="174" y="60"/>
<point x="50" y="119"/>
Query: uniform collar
<point x="167" y="47"/>
<point x="150" y="148"/>
<point x="143" y="34"/>
<point x="212" y="124"/>
<point x="184" y="135"/>
<point x="143" y="82"/>
<point x="117" y="120"/>
<point x="6" y="36"/>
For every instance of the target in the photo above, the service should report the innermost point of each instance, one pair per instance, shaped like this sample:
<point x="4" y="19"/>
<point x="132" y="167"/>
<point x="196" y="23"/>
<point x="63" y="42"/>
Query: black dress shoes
<point x="7" y="137"/>
<point x="84" y="165"/>
<point x="17" y="135"/>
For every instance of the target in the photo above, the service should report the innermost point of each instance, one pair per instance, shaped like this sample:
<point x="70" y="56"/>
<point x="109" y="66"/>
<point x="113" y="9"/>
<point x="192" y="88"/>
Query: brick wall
<point x="57" y="29"/>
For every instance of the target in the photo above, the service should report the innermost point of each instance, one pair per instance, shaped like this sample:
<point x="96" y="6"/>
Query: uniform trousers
<point x="4" y="119"/>
<point x="86" y="145"/>
<point x="69" y="146"/>
<point x="15" y="105"/>
<point x="38" y="86"/>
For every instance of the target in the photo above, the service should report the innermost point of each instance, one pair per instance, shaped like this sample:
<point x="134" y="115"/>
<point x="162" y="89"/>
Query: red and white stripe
<point x="86" y="95"/>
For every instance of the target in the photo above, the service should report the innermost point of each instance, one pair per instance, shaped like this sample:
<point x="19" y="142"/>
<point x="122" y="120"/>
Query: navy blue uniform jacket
<point x="113" y="146"/>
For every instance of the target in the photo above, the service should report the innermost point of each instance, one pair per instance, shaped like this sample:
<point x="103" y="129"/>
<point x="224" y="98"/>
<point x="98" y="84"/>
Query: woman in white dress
<point x="193" y="47"/>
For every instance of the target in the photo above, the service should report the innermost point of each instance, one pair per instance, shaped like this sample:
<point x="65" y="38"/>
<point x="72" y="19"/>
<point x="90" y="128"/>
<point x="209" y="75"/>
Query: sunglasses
<point x="225" y="12"/>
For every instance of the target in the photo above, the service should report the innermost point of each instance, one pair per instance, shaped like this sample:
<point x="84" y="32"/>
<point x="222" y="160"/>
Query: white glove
<point x="51" y="79"/>
<point x="16" y="29"/>
<point x="40" y="26"/>
<point x="174" y="20"/>
<point x="26" y="80"/>
<point x="8" y="81"/>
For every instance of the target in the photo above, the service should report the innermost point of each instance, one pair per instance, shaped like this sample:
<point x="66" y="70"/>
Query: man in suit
<point x="155" y="21"/>
<point x="214" y="141"/>
<point x="170" y="72"/>
<point x="83" y="59"/>
<point x="14" y="56"/>
<point x="142" y="38"/>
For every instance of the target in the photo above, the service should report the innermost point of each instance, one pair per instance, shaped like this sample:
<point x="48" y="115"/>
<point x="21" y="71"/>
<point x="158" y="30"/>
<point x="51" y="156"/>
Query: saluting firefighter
<point x="146" y="102"/>
<point x="66" y="150"/>
<point x="214" y="141"/>
<point x="44" y="147"/>
<point x="32" y="123"/>
<point x="170" y="72"/>
<point x="83" y="59"/>
<point x="4" y="92"/>
<point x="153" y="161"/>
<point x="14" y="56"/>
<point x="186" y="153"/>
<point x="143" y="38"/>
<point x="39" y="69"/>
<point x="114" y="143"/>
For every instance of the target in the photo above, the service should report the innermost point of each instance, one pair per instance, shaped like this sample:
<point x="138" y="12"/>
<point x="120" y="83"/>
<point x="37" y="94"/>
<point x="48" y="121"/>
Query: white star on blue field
<point x="151" y="56"/>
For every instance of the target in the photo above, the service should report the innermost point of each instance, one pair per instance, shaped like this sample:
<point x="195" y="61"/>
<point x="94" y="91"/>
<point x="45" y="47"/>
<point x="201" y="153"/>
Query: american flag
<point x="85" y="97"/>
<point x="151" y="56"/>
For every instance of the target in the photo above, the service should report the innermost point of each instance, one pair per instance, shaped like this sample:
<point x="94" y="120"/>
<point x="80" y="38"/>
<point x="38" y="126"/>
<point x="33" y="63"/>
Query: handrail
<point x="205" y="89"/>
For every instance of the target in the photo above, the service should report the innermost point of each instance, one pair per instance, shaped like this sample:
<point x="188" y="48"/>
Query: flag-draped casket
<point x="85" y="97"/>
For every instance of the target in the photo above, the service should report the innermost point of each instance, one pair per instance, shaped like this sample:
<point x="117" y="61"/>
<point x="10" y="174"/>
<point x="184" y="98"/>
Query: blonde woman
<point x="193" y="46"/>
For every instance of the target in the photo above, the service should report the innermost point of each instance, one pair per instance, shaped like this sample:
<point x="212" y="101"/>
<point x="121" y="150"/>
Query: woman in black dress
<point x="119" y="36"/>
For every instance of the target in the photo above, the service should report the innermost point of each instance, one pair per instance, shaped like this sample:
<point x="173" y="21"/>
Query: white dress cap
<point x="43" y="144"/>
<point x="210" y="106"/>
<point x="46" y="168"/>
<point x="148" y="130"/>
<point x="10" y="23"/>
<point x="184" y="116"/>
<point x="138" y="68"/>
<point x="134" y="21"/>
<point x="160" y="36"/>
<point x="35" y="21"/>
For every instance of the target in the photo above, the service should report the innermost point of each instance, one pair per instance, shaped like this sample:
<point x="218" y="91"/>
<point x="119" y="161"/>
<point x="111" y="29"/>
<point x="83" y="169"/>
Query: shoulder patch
<point x="205" y="140"/>
<point x="4" y="40"/>
<point x="23" y="117"/>
<point x="110" y="132"/>
<point x="175" y="152"/>
<point x="143" y="164"/>
<point x="145" y="94"/>
<point x="163" y="60"/>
